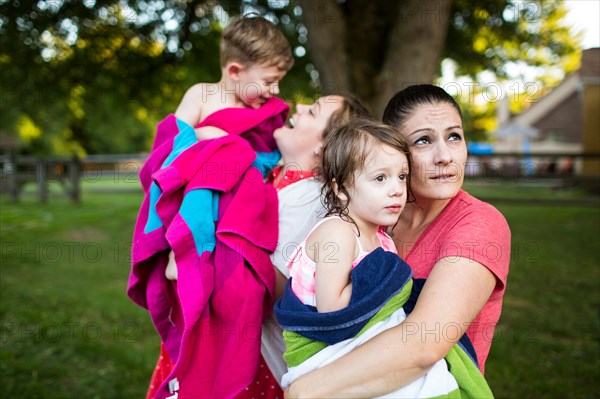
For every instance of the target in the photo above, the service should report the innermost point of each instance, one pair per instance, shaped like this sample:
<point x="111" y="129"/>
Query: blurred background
<point x="84" y="83"/>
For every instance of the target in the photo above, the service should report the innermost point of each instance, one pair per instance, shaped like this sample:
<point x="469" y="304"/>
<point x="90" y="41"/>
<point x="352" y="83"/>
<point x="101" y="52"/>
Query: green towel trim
<point x="299" y="348"/>
<point x="471" y="382"/>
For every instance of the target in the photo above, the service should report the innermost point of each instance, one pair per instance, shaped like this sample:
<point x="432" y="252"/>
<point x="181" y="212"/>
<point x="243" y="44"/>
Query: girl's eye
<point x="380" y="178"/>
<point x="402" y="176"/>
<point x="422" y="140"/>
<point x="310" y="111"/>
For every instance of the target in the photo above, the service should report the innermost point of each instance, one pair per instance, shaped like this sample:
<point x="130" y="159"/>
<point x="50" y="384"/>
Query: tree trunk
<point x="375" y="48"/>
<point x="326" y="43"/>
<point x="414" y="50"/>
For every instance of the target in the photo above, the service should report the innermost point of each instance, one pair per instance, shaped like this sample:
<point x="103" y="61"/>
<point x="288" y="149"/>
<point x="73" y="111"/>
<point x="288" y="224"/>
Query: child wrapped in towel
<point x="383" y="292"/>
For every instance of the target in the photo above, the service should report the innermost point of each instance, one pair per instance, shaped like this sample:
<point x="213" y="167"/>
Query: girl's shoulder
<point x="333" y="225"/>
<point x="333" y="231"/>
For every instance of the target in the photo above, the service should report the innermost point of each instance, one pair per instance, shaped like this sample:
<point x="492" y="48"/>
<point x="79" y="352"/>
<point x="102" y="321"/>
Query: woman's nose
<point x="443" y="155"/>
<point x="301" y="108"/>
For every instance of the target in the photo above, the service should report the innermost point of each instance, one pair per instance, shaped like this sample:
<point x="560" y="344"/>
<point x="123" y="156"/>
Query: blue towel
<point x="376" y="279"/>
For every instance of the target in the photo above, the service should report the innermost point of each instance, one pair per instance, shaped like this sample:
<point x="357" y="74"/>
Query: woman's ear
<point x="317" y="150"/>
<point x="233" y="70"/>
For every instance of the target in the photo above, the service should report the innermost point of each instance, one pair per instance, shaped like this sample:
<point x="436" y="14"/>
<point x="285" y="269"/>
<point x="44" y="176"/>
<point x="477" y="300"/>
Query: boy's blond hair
<point x="252" y="40"/>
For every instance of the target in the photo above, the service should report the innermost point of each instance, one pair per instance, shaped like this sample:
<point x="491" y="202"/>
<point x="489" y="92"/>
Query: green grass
<point x="531" y="189"/>
<point x="69" y="331"/>
<point x="547" y="343"/>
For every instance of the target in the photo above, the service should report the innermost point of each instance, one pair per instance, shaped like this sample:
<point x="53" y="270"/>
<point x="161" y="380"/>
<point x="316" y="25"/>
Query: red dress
<point x="264" y="386"/>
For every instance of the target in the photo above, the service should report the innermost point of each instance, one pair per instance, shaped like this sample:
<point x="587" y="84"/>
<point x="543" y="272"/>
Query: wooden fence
<point x="17" y="171"/>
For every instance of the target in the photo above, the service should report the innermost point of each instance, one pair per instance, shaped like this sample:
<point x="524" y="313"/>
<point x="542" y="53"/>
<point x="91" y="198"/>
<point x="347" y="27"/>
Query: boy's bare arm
<point x="209" y="132"/>
<point x="190" y="108"/>
<point x="171" y="270"/>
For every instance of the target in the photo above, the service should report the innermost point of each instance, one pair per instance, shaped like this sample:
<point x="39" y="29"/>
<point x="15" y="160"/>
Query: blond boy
<point x="255" y="56"/>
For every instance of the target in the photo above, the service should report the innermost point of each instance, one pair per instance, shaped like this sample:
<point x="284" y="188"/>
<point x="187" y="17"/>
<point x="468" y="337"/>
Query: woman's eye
<point x="454" y="137"/>
<point x="422" y="140"/>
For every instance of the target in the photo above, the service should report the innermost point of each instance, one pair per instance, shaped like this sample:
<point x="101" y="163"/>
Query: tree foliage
<point x="490" y="35"/>
<point x="94" y="76"/>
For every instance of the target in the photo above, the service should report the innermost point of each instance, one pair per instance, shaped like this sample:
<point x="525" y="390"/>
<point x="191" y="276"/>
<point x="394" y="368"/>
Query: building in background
<point x="564" y="121"/>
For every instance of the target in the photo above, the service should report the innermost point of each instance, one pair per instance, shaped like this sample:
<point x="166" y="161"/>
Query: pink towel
<point x="210" y="319"/>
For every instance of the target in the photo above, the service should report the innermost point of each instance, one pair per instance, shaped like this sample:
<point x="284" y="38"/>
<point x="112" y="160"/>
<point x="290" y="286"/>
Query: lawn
<point x="69" y="331"/>
<point x="547" y="344"/>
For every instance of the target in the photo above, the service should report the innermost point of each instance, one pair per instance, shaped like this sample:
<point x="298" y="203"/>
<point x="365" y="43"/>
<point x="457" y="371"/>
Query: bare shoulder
<point x="334" y="228"/>
<point x="196" y="93"/>
<point x="191" y="107"/>
<point x="333" y="233"/>
<point x="198" y="88"/>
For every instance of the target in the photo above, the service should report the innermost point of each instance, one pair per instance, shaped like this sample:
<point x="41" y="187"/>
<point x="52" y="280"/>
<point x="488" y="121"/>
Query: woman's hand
<point x="171" y="270"/>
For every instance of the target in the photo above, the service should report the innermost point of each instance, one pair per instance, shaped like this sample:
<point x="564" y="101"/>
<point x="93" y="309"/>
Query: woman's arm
<point x="455" y="292"/>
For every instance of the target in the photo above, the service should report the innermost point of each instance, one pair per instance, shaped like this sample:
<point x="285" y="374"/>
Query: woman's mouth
<point x="444" y="178"/>
<point x="291" y="122"/>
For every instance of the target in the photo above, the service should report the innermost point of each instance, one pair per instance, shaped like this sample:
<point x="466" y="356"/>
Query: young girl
<point x="365" y="167"/>
<point x="347" y="282"/>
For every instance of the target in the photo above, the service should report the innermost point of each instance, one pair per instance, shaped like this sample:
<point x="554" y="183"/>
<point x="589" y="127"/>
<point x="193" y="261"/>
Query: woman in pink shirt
<point x="460" y="244"/>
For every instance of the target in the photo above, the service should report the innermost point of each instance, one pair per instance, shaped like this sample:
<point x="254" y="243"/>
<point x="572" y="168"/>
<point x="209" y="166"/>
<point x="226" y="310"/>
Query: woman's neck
<point x="421" y="213"/>
<point x="297" y="164"/>
<point x="289" y="165"/>
<point x="414" y="220"/>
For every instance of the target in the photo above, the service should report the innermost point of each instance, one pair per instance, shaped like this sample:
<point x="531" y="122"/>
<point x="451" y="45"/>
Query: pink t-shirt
<point x="472" y="229"/>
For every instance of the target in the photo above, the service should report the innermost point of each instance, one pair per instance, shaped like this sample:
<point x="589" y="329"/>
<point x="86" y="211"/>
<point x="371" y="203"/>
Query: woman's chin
<point x="437" y="190"/>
